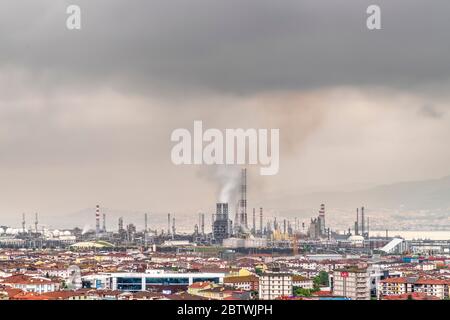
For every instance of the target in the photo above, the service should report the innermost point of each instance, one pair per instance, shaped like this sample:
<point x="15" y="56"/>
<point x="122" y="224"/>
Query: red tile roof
<point x="408" y="296"/>
<point x="322" y="293"/>
<point x="240" y="279"/>
<point x="11" y="292"/>
<point x="24" y="279"/>
<point x="432" y="281"/>
<point x="394" y="280"/>
<point x="200" y="285"/>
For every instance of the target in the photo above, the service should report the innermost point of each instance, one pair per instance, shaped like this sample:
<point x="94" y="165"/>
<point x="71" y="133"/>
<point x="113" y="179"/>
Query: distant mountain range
<point x="431" y="195"/>
<point x="415" y="195"/>
<point x="85" y="219"/>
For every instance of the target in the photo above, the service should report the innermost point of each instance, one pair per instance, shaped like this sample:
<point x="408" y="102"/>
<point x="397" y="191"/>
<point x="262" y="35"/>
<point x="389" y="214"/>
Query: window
<point x="167" y="281"/>
<point x="129" y="284"/>
<point x="215" y="280"/>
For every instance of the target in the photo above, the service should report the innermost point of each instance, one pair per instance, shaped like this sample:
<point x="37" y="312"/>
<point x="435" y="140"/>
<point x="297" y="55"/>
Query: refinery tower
<point x="241" y="222"/>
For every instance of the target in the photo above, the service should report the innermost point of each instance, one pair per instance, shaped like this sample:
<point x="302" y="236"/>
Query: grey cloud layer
<point x="86" y="116"/>
<point x="235" y="46"/>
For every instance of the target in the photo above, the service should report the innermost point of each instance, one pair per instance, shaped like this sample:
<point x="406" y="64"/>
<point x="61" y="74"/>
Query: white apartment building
<point x="274" y="285"/>
<point x="397" y="286"/>
<point x="31" y="284"/>
<point x="392" y="286"/>
<point x="302" y="282"/>
<point x="433" y="287"/>
<point x="352" y="283"/>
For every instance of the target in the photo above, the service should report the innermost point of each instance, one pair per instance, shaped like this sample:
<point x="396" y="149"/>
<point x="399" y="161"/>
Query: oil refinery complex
<point x="261" y="234"/>
<point x="237" y="260"/>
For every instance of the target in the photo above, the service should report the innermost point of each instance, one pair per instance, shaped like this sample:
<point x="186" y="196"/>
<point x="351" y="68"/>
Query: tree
<point x="301" y="292"/>
<point x="321" y="280"/>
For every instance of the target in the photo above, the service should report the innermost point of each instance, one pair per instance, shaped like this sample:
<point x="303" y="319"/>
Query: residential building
<point x="247" y="283"/>
<point x="353" y="283"/>
<point x="302" y="282"/>
<point x="31" y="284"/>
<point x="274" y="285"/>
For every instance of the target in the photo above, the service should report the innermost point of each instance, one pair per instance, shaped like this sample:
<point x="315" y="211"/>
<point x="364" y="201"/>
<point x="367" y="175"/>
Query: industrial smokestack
<point x="168" y="223"/>
<point x="222" y="211"/>
<point x="36" y="223"/>
<point x="203" y="224"/>
<point x="322" y="220"/>
<point x="97" y="220"/>
<point x="23" y="222"/>
<point x="242" y="204"/>
<point x="104" y="222"/>
<point x="254" y="221"/>
<point x="145" y="222"/>
<point x="261" y="220"/>
<point x="173" y="227"/>
<point x="244" y="195"/>
<point x="357" y="222"/>
<point x="322" y="210"/>
<point x="362" y="221"/>
<point x="120" y="224"/>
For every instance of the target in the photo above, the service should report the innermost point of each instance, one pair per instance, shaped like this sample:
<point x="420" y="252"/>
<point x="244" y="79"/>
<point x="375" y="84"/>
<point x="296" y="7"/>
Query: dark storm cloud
<point x="86" y="116"/>
<point x="431" y="111"/>
<point x="234" y="45"/>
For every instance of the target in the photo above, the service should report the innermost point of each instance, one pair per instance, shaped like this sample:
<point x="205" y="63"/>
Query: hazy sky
<point x="86" y="116"/>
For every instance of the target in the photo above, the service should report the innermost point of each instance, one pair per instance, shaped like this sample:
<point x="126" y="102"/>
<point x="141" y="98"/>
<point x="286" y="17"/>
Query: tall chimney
<point x="357" y="222"/>
<point x="97" y="220"/>
<point x="362" y="221"/>
<point x="261" y="220"/>
<point x="168" y="223"/>
<point x="104" y="222"/>
<point x="254" y="221"/>
<point x="203" y="224"/>
<point x="36" y="223"/>
<point x="23" y="222"/>
<point x="242" y="205"/>
<point x="145" y="222"/>
<point x="173" y="227"/>
<point x="120" y="224"/>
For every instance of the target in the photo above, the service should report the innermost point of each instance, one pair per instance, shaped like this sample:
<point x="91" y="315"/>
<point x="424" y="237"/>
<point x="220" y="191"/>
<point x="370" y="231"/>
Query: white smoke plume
<point x="227" y="178"/>
<point x="229" y="181"/>
<point x="86" y="228"/>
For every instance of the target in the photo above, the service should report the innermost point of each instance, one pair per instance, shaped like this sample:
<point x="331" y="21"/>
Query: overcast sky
<point x="86" y="116"/>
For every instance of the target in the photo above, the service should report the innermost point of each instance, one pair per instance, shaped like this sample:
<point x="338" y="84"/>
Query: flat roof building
<point x="353" y="283"/>
<point x="155" y="281"/>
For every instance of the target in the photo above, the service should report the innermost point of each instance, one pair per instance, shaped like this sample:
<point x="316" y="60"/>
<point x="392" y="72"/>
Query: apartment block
<point x="352" y="283"/>
<point x="274" y="285"/>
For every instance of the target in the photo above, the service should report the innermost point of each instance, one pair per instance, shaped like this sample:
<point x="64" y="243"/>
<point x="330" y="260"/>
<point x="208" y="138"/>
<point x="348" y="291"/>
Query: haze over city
<point x="227" y="157"/>
<point x="89" y="121"/>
